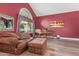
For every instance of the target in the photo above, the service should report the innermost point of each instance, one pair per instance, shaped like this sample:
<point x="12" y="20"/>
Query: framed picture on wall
<point x="6" y="23"/>
<point x="56" y="24"/>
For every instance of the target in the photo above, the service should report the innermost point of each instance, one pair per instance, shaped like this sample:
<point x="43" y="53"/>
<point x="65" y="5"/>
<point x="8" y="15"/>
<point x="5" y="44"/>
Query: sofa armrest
<point x="28" y="40"/>
<point x="23" y="43"/>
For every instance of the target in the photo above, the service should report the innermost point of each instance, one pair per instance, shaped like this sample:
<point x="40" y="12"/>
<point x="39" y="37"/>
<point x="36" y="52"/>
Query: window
<point x="25" y="21"/>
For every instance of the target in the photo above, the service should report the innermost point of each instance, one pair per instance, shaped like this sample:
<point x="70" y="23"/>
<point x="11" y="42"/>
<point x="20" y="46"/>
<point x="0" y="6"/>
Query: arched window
<point x="25" y="21"/>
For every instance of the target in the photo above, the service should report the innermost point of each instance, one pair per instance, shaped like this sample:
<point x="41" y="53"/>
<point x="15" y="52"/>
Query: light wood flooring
<point x="64" y="47"/>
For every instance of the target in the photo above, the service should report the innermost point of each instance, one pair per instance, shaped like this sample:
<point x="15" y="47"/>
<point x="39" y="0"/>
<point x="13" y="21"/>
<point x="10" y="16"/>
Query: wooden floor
<point x="64" y="47"/>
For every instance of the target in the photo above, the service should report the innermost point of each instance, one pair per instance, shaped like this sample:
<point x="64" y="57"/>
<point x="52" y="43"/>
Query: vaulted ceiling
<point x="42" y="9"/>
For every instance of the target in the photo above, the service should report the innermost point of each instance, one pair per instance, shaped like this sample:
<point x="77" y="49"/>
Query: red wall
<point x="13" y="9"/>
<point x="71" y="21"/>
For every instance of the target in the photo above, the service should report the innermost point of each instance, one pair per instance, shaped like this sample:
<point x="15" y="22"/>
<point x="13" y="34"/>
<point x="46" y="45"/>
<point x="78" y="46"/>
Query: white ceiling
<point x="42" y="9"/>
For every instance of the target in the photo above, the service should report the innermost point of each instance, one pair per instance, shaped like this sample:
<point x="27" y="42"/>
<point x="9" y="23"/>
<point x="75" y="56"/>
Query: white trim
<point x="66" y="38"/>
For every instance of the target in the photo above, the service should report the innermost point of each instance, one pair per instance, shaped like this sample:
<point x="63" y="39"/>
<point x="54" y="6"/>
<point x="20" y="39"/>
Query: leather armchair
<point x="11" y="42"/>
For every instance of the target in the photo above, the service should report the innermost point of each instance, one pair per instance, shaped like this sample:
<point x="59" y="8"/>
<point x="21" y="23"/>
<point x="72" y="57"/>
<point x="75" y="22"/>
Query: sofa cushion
<point x="9" y="40"/>
<point x="24" y="35"/>
<point x="9" y="34"/>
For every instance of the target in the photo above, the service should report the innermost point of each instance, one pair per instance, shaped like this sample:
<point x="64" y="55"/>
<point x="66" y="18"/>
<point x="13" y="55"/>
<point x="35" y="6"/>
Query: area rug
<point x="49" y="52"/>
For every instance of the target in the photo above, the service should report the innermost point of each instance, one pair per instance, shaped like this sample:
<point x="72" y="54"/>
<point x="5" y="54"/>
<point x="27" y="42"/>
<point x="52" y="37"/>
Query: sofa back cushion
<point x="9" y="40"/>
<point x="9" y="34"/>
<point x="24" y="35"/>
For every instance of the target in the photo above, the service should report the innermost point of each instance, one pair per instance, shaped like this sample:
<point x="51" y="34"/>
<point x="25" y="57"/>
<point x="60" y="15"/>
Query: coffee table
<point x="38" y="46"/>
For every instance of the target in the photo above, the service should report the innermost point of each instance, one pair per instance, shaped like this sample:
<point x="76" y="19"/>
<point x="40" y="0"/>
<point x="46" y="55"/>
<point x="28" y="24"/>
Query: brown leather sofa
<point x="14" y="43"/>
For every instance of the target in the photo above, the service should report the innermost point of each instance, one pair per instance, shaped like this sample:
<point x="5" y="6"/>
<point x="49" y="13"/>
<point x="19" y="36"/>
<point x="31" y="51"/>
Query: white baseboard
<point x="75" y="39"/>
<point x="66" y="38"/>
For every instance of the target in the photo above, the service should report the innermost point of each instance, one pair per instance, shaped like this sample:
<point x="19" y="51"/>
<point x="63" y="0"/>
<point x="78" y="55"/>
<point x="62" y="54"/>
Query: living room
<point x="39" y="29"/>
